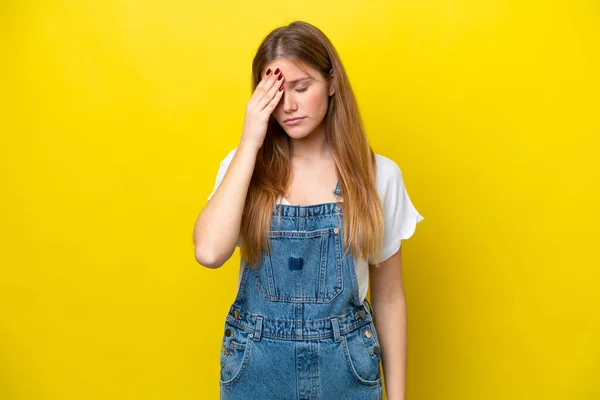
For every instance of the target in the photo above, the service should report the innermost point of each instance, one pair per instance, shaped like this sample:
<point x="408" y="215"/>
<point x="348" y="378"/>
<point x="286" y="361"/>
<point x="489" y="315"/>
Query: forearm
<point x="217" y="228"/>
<point x="391" y="324"/>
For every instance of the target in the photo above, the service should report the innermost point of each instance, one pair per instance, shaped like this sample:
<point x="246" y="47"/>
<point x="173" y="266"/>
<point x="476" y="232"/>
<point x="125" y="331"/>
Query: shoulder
<point x="385" y="166"/>
<point x="388" y="173"/>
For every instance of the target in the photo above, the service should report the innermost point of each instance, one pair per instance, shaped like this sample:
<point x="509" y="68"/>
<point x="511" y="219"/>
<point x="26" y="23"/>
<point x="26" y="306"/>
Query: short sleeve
<point x="220" y="175"/>
<point x="222" y="169"/>
<point x="400" y="215"/>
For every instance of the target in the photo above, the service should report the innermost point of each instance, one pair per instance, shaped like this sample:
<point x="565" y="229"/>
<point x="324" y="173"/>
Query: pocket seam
<point x="337" y="280"/>
<point x="238" y="332"/>
<point x="235" y="345"/>
<point x="350" y="363"/>
<point x="238" y="374"/>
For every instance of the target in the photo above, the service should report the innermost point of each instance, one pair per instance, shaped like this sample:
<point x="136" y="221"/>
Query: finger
<point x="273" y="91"/>
<point x="270" y="82"/>
<point x="275" y="100"/>
<point x="264" y="86"/>
<point x="260" y="89"/>
<point x="265" y="78"/>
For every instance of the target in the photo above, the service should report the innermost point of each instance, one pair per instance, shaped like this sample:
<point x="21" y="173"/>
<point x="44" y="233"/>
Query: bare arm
<point x="217" y="228"/>
<point x="389" y="317"/>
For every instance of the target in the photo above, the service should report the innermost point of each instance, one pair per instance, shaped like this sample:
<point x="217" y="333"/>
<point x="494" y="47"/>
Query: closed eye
<point x="301" y="90"/>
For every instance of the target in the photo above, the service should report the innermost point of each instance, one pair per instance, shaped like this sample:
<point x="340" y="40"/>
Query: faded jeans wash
<point x="296" y="329"/>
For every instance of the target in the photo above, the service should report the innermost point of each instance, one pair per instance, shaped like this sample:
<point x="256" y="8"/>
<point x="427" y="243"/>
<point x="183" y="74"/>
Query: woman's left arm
<point x="389" y="317"/>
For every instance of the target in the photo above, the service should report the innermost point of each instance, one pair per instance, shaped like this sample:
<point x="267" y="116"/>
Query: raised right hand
<point x="265" y="98"/>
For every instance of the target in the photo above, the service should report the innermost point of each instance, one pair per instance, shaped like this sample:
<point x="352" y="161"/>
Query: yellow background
<point x="115" y="115"/>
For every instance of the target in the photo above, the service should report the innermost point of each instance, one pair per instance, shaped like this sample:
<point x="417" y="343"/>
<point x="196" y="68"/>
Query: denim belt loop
<point x="258" y="329"/>
<point x="370" y="308"/>
<point x="335" y="324"/>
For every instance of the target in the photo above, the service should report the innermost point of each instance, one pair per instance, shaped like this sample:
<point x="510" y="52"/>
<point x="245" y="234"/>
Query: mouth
<point x="294" y="120"/>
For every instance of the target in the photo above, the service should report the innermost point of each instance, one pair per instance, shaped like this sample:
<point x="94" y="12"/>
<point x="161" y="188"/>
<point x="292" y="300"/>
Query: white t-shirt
<point x="400" y="216"/>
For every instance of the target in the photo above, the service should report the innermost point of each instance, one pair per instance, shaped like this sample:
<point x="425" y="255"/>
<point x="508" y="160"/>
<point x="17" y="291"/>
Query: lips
<point x="293" y="119"/>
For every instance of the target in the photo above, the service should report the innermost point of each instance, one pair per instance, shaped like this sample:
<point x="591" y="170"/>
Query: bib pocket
<point x="302" y="267"/>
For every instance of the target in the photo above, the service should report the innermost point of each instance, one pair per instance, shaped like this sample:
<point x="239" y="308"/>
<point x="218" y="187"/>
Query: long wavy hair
<point x="354" y="158"/>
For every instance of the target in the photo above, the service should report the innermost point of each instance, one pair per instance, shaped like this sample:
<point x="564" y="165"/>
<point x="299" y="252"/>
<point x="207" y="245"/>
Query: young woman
<point x="315" y="213"/>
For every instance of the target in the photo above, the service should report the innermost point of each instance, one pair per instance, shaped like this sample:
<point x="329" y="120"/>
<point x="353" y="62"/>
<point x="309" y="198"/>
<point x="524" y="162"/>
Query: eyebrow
<point x="298" y="80"/>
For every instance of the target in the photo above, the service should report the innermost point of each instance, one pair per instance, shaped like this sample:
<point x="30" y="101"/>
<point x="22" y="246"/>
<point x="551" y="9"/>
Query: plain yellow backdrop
<point x="115" y="115"/>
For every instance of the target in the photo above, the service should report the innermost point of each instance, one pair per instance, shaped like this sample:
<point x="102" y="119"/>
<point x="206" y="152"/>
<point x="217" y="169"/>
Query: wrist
<point x="246" y="144"/>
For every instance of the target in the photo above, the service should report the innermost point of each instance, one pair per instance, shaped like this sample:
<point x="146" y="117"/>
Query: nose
<point x="289" y="103"/>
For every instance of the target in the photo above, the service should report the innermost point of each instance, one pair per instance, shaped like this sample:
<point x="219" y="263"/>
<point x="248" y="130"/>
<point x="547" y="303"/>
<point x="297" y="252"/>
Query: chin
<point x="297" y="133"/>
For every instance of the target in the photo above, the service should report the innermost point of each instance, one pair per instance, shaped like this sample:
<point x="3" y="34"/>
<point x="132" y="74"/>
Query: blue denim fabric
<point x="296" y="329"/>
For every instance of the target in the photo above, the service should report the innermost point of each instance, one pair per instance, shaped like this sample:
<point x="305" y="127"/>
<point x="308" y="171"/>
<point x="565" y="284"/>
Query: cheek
<point x="315" y="101"/>
<point x="320" y="103"/>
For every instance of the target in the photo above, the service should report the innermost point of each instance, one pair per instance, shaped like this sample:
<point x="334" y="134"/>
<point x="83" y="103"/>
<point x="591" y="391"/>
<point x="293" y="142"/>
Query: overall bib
<point x="297" y="329"/>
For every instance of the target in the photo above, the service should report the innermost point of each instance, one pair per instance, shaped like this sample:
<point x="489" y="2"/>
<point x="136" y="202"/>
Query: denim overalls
<point x="296" y="329"/>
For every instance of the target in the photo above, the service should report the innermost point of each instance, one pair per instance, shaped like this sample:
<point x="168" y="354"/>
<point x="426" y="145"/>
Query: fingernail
<point x="269" y="72"/>
<point x="281" y="88"/>
<point x="280" y="76"/>
<point x="276" y="71"/>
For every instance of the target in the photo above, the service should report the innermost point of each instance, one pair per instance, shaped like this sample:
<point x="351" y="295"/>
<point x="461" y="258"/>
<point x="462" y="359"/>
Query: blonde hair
<point x="354" y="158"/>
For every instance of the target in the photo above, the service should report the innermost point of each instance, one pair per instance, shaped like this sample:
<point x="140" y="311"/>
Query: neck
<point x="313" y="147"/>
